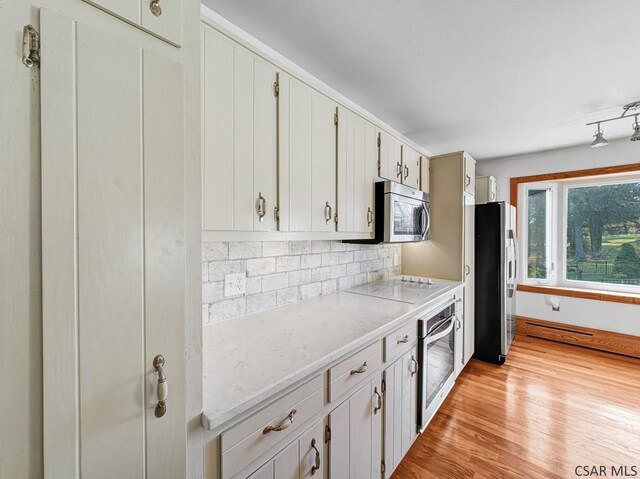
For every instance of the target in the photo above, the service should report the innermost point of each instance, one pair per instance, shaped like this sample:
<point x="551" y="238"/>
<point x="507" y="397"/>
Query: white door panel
<point x="113" y="231"/>
<point x="323" y="163"/>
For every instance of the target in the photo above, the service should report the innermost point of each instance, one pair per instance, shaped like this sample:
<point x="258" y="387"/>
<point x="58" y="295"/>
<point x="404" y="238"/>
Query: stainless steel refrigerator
<point x="495" y="282"/>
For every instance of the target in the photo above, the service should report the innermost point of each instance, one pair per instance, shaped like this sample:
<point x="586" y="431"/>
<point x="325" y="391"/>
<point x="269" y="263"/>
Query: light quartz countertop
<point x="249" y="359"/>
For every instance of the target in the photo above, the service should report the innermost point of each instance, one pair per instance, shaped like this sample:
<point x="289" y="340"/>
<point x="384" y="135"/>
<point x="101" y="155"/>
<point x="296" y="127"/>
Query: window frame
<point x="560" y="184"/>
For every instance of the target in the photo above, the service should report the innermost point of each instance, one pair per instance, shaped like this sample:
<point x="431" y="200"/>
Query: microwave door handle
<point x="427" y="221"/>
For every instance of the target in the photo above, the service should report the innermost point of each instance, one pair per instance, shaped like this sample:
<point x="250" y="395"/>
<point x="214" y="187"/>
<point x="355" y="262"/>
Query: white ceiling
<point x="494" y="77"/>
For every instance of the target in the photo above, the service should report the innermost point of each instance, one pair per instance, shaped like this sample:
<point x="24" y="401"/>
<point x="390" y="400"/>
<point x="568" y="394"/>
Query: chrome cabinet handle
<point x="282" y="425"/>
<point x="369" y="216"/>
<point x="468" y="180"/>
<point x="406" y="172"/>
<point x="398" y="169"/>
<point x="467" y="269"/>
<point x="403" y="340"/>
<point x="359" y="370"/>
<point x="327" y="212"/>
<point x="261" y="207"/>
<point x="378" y="404"/>
<point x="413" y="366"/>
<point x="458" y="324"/>
<point x="155" y="8"/>
<point x="162" y="389"/>
<point x="316" y="461"/>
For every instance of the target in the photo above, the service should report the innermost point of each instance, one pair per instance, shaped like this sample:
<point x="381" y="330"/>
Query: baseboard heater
<point x="608" y="341"/>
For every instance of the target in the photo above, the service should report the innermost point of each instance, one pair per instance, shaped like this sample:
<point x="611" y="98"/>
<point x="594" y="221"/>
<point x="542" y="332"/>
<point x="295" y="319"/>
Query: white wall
<point x="622" y="318"/>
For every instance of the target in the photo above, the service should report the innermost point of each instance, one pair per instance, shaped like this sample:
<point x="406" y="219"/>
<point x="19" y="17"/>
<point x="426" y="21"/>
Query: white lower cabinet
<point x="400" y="409"/>
<point x="355" y="448"/>
<point x="301" y="459"/>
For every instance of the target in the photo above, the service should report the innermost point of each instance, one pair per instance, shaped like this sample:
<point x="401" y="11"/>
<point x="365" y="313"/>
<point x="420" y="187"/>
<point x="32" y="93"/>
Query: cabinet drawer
<point x="353" y="370"/>
<point x="400" y="341"/>
<point x="254" y="436"/>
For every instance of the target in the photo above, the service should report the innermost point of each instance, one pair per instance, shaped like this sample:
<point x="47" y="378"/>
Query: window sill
<point x="611" y="296"/>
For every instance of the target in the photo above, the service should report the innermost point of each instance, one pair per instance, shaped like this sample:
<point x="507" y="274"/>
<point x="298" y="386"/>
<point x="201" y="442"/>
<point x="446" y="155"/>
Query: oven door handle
<point x="426" y="222"/>
<point x="436" y="337"/>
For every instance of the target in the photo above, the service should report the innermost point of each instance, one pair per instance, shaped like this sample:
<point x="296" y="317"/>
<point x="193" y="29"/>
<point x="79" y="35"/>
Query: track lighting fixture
<point x="636" y="131"/>
<point x="600" y="140"/>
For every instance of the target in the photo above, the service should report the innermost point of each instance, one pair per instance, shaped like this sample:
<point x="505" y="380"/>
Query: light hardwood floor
<point x="549" y="408"/>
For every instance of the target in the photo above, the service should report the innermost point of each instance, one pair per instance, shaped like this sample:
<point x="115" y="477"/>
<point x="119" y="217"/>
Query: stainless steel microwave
<point x="401" y="214"/>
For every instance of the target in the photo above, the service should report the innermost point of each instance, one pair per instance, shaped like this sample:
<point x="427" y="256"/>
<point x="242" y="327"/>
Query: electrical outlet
<point x="235" y="284"/>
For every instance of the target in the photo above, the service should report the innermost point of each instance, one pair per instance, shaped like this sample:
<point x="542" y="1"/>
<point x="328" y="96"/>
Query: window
<point x="582" y="232"/>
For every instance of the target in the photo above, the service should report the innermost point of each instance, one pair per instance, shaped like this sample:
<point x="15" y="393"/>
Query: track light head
<point x="636" y="131"/>
<point x="600" y="140"/>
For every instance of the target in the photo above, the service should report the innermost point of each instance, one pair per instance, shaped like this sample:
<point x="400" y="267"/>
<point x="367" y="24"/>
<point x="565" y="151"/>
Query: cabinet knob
<point x="155" y="8"/>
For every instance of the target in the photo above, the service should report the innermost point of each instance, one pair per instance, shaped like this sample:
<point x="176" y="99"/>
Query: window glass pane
<point x="537" y="234"/>
<point x="603" y="233"/>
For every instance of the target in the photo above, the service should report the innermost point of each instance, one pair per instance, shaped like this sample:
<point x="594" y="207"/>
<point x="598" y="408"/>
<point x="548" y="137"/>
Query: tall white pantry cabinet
<point x="114" y="239"/>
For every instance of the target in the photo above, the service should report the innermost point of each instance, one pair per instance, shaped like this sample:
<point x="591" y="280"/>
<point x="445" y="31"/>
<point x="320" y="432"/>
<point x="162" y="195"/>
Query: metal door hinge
<point x="327" y="434"/>
<point x="335" y="118"/>
<point x="276" y="88"/>
<point x="276" y="213"/>
<point x="335" y="218"/>
<point x="383" y="386"/>
<point x="379" y="141"/>
<point x="30" y="46"/>
<point x="383" y="467"/>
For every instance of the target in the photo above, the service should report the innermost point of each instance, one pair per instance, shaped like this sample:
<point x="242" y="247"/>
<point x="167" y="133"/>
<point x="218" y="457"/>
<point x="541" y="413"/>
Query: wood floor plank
<point x="549" y="408"/>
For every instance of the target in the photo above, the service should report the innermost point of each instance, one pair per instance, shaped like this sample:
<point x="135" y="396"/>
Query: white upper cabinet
<point x="390" y="157"/>
<point x="356" y="172"/>
<point x="163" y="18"/>
<point x="469" y="174"/>
<point x="410" y="167"/>
<point x="486" y="189"/>
<point x="324" y="132"/>
<point x="425" y="166"/>
<point x="240" y="183"/>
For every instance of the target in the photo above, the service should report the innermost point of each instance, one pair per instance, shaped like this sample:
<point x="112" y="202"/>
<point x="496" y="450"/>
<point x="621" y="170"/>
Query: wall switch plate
<point x="235" y="284"/>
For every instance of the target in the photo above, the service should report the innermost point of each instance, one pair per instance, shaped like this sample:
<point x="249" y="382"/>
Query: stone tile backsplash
<point x="284" y="272"/>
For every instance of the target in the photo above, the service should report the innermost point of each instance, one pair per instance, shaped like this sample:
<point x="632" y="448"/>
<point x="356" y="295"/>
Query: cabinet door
<point x="352" y="181"/>
<point x="265" y="154"/>
<point x="370" y="173"/>
<point x="295" y="154"/>
<point x="265" y="472"/>
<point x="424" y="173"/>
<point x="323" y="162"/>
<point x="393" y="417"/>
<point x="469" y="174"/>
<point x="286" y="465"/>
<point x="390" y="151"/>
<point x="409" y="405"/>
<point x="113" y="238"/>
<point x="311" y="453"/>
<point x="469" y="286"/>
<point x="162" y="18"/>
<point x="239" y="186"/>
<point x="356" y="435"/>
<point x="166" y="22"/>
<point x="410" y="167"/>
